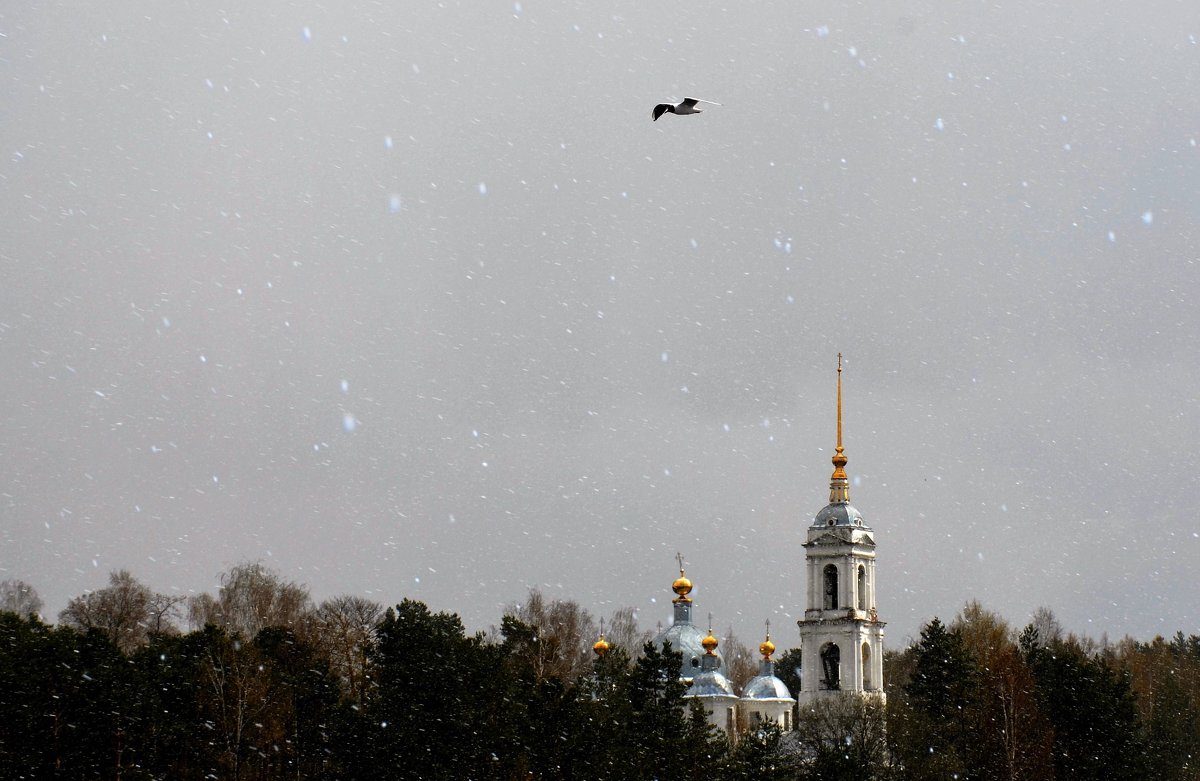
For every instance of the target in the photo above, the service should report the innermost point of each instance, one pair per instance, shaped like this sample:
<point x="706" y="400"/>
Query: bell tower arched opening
<point x="831" y="667"/>
<point x="831" y="587"/>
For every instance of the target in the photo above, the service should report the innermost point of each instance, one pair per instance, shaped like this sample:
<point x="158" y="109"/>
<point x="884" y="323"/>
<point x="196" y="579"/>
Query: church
<point x="841" y="636"/>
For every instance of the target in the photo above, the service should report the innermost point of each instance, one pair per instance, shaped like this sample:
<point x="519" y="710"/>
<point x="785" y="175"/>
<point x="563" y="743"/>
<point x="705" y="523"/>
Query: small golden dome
<point x="682" y="586"/>
<point x="709" y="643"/>
<point x="767" y="648"/>
<point x="601" y="647"/>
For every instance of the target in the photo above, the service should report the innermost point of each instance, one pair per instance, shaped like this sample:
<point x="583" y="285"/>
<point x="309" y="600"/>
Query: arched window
<point x="862" y="587"/>
<point x="866" y="667"/>
<point x="831" y="667"/>
<point x="831" y="587"/>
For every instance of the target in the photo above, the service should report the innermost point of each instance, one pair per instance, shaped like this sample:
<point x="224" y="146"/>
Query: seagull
<point x="686" y="106"/>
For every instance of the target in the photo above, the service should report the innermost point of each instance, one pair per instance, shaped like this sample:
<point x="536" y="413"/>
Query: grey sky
<point x="413" y="299"/>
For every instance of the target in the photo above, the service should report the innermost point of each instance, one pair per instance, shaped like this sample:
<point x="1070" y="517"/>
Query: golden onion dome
<point x="766" y="648"/>
<point x="709" y="643"/>
<point x="601" y="647"/>
<point x="682" y="586"/>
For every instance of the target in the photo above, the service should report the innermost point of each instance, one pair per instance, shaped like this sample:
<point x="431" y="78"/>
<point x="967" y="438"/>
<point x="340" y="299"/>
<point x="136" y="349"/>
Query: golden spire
<point x="839" y="485"/>
<point x="682" y="586"/>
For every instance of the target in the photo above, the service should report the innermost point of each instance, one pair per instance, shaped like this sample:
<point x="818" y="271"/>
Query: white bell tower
<point x="841" y="636"/>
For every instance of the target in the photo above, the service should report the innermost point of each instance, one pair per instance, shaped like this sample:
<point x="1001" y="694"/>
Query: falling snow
<point x="262" y="291"/>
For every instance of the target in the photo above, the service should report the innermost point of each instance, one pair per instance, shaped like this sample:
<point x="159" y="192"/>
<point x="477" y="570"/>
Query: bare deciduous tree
<point x="564" y="633"/>
<point x="17" y="596"/>
<point x="127" y="611"/>
<point x="985" y="634"/>
<point x="252" y="597"/>
<point x="162" y="612"/>
<point x="346" y="630"/>
<point x="234" y="697"/>
<point x="1049" y="630"/>
<point x="621" y="630"/>
<point x="740" y="661"/>
<point x="1010" y="734"/>
<point x="847" y="727"/>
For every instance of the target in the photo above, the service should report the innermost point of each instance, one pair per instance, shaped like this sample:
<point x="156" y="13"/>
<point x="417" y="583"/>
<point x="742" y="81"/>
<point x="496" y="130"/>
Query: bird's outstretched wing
<point x="660" y="109"/>
<point x="694" y="101"/>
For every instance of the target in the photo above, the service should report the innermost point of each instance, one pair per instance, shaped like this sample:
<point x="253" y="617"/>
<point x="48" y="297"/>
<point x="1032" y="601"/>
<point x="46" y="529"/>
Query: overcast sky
<point x="412" y="299"/>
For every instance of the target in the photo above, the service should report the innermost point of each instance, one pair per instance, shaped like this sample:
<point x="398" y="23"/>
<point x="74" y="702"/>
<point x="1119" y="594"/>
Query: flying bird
<point x="686" y="106"/>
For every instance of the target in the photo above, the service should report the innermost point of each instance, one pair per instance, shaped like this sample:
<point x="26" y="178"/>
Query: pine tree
<point x="929" y="733"/>
<point x="441" y="706"/>
<point x="1092" y="708"/>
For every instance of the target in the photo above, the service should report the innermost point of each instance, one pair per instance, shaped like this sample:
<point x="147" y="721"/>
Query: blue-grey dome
<point x="839" y="514"/>
<point x="687" y="639"/>
<point x="710" y="683"/>
<point x="766" y="687"/>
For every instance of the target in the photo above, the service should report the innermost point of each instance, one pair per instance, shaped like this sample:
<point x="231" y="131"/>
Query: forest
<point x="259" y="682"/>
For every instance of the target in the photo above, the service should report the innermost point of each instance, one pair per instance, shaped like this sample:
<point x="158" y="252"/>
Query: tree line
<point x="976" y="699"/>
<point x="265" y="684"/>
